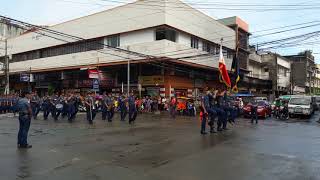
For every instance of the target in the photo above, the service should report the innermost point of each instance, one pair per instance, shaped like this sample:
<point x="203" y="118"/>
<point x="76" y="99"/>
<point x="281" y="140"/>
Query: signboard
<point x="151" y="80"/>
<point x="93" y="74"/>
<point x="95" y="84"/>
<point x="24" y="77"/>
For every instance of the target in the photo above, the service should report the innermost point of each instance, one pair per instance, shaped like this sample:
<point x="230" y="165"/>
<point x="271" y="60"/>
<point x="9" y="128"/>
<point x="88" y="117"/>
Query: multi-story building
<point x="278" y="69"/>
<point x="242" y="37"/>
<point x="8" y="30"/>
<point x="168" y="49"/>
<point x="303" y="70"/>
<point x="317" y="80"/>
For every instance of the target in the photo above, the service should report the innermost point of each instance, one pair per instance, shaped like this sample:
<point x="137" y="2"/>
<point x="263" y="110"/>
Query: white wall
<point x="136" y="37"/>
<point x="127" y="18"/>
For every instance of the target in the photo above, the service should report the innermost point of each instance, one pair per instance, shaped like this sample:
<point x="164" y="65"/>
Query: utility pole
<point x="128" y="83"/>
<point x="7" y="88"/>
<point x="128" y="77"/>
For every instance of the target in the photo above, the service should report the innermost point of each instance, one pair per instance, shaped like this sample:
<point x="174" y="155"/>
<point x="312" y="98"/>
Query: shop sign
<point x="151" y="80"/>
<point x="95" y="84"/>
<point x="24" y="77"/>
<point x="93" y="74"/>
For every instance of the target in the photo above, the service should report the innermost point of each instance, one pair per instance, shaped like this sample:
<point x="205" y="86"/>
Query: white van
<point x="301" y="105"/>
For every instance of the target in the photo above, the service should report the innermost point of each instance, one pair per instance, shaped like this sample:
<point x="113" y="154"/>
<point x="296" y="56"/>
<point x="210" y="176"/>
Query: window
<point x="206" y="46"/>
<point x="166" y="33"/>
<point x="266" y="70"/>
<point x="195" y="42"/>
<point x="113" y="41"/>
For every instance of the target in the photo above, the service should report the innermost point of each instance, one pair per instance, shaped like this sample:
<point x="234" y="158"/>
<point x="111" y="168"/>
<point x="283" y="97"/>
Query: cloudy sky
<point x="260" y="15"/>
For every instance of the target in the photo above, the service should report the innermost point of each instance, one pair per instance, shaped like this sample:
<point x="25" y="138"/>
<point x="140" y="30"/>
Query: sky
<point x="50" y="12"/>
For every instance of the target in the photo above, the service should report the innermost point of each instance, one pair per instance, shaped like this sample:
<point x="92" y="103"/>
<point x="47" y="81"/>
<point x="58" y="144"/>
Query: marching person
<point x="35" y="104"/>
<point x="132" y="108"/>
<point x="110" y="107"/>
<point x="90" y="107"/>
<point x="123" y="107"/>
<point x="46" y="106"/>
<point x="104" y="108"/>
<point x="208" y="112"/>
<point x="25" y="114"/>
<point x="222" y="119"/>
<point x="71" y="104"/>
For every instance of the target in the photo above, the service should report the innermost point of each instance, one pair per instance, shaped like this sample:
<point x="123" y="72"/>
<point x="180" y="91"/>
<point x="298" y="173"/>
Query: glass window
<point x="195" y="42"/>
<point x="114" y="41"/>
<point x="166" y="33"/>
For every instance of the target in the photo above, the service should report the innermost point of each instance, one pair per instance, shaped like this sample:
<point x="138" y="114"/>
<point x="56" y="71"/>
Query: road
<point x="159" y="148"/>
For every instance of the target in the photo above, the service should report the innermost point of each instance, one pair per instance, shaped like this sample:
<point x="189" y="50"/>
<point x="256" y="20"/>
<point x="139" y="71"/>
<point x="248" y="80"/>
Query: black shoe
<point x="219" y="129"/>
<point x="27" y="146"/>
<point x="225" y="129"/>
<point x="203" y="133"/>
<point x="213" y="131"/>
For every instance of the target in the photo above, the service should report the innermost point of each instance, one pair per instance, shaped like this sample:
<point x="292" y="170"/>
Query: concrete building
<point x="317" y="80"/>
<point x="242" y="37"/>
<point x="173" y="51"/>
<point x="278" y="69"/>
<point x="303" y="70"/>
<point x="8" y="30"/>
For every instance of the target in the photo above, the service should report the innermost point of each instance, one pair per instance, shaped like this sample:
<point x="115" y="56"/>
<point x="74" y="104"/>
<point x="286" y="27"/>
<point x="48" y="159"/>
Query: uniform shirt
<point x="131" y="102"/>
<point x="23" y="105"/>
<point x="35" y="99"/>
<point x="89" y="100"/>
<point x="206" y="101"/>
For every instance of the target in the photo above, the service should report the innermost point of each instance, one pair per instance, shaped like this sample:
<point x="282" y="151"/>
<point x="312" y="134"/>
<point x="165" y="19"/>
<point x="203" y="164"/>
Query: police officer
<point x="57" y="102"/>
<point x="132" y="108"/>
<point x="218" y="107"/>
<point x="104" y="106"/>
<point x="25" y="114"/>
<point x="46" y="105"/>
<point x="226" y="106"/>
<point x="71" y="107"/>
<point x="123" y="107"/>
<point x="90" y="107"/>
<point x="209" y="112"/>
<point x="254" y="113"/>
<point x="110" y="107"/>
<point x="35" y="104"/>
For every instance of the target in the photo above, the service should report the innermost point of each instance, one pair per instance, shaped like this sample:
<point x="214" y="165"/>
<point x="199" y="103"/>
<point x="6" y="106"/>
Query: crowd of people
<point x="216" y="110"/>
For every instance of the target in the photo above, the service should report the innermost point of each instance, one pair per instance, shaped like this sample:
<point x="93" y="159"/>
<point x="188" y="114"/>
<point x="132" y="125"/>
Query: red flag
<point x="223" y="69"/>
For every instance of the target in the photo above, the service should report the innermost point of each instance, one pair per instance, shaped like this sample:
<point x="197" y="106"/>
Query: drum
<point x="59" y="106"/>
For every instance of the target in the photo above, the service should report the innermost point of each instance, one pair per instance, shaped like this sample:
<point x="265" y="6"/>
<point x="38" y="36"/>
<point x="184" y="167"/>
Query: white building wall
<point x="127" y="21"/>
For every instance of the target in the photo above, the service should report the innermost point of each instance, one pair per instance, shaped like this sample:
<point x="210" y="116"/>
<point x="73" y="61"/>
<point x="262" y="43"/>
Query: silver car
<point x="301" y="105"/>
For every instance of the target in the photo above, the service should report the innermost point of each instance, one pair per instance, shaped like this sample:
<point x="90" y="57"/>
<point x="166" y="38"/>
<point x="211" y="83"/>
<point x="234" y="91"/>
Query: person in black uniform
<point x="25" y="114"/>
<point x="132" y="108"/>
<point x="90" y="107"/>
<point x="123" y="107"/>
<point x="254" y="113"/>
<point x="222" y="117"/>
<point x="35" y="104"/>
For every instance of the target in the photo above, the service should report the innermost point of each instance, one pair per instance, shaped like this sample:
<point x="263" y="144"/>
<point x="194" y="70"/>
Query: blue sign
<point x="24" y="77"/>
<point x="95" y="84"/>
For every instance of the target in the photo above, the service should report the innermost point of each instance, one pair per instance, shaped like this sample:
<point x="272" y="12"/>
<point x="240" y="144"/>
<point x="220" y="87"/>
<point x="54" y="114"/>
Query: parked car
<point x="263" y="109"/>
<point x="302" y="105"/>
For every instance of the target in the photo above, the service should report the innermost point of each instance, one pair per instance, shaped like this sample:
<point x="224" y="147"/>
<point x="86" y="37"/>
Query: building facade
<point x="278" y="69"/>
<point x="303" y="71"/>
<point x="168" y="50"/>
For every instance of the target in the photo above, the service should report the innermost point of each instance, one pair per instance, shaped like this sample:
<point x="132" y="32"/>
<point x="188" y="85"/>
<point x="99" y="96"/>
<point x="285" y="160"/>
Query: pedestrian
<point x="222" y="119"/>
<point x="71" y="104"/>
<point x="46" y="106"/>
<point x="132" y="108"/>
<point x="123" y="107"/>
<point x="173" y="107"/>
<point x="208" y="112"/>
<point x="35" y="104"/>
<point x="90" y="108"/>
<point x="254" y="113"/>
<point x="110" y="107"/>
<point x="25" y="114"/>
<point x="104" y="106"/>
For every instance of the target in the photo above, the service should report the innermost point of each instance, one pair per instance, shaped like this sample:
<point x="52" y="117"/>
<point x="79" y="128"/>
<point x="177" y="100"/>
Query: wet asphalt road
<point x="161" y="149"/>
